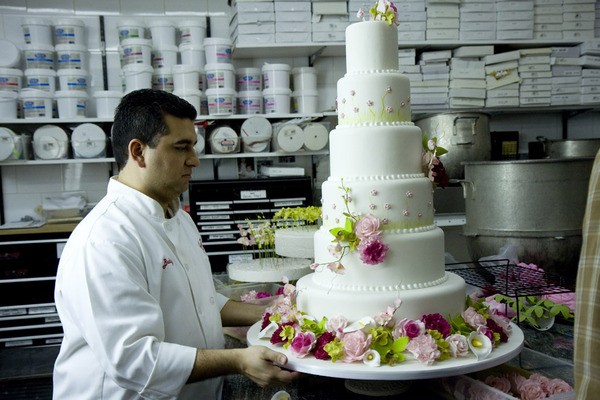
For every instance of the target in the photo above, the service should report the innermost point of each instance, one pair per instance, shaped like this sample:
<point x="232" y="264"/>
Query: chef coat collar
<point x="143" y="202"/>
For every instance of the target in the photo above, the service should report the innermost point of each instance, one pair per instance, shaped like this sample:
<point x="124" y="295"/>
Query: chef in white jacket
<point x="134" y="289"/>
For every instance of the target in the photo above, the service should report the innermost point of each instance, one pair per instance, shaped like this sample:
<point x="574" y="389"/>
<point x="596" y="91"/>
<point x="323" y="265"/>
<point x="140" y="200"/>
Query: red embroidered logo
<point x="166" y="261"/>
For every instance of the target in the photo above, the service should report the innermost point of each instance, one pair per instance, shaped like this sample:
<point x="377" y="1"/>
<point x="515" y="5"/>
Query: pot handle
<point x="464" y="139"/>
<point x="468" y="188"/>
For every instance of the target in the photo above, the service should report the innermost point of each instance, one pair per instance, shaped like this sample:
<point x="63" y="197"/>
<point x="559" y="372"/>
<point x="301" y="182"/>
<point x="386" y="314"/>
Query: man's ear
<point x="136" y="152"/>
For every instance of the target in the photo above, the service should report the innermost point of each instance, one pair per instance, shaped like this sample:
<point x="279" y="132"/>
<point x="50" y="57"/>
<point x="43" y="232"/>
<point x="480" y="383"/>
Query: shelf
<point x="59" y="161"/>
<point x="419" y="113"/>
<point x="269" y="154"/>
<point x="39" y="121"/>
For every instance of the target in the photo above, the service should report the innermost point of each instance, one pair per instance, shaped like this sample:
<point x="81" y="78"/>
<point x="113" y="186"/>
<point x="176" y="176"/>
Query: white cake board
<point x="409" y="369"/>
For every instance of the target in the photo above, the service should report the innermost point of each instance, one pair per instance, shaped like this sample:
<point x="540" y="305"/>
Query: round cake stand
<point x="407" y="370"/>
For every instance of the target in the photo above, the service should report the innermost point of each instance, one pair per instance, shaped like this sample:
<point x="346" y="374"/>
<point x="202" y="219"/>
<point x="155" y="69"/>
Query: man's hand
<point x="262" y="365"/>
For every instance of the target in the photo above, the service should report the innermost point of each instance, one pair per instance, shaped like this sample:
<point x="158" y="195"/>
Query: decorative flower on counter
<point x="432" y="166"/>
<point x="383" y="10"/>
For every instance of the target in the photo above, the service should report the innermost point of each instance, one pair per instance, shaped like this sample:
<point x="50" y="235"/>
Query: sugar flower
<point x="323" y="340"/>
<point x="367" y="227"/>
<point x="498" y="382"/>
<point x="436" y="322"/>
<point x="458" y="345"/>
<point x="473" y="318"/>
<point x="372" y="251"/>
<point x="372" y="358"/>
<point x="356" y="344"/>
<point x="424" y="349"/>
<point x="364" y="322"/>
<point x="302" y="344"/>
<point x="480" y="345"/>
<point x="408" y="327"/>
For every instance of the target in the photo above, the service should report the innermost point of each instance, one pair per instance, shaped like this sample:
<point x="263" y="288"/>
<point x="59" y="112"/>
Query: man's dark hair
<point x="141" y="115"/>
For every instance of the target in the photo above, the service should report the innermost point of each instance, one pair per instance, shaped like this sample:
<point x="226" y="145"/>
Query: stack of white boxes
<point x="502" y="79"/>
<point x="597" y="21"/>
<point x="515" y="20"/>
<point x="329" y="21"/>
<point x="478" y="20"/>
<point x="566" y="75"/>
<point x="412" y="19"/>
<point x="578" y="19"/>
<point x="590" y="74"/>
<point x="407" y="65"/>
<point x="532" y="92"/>
<point x="432" y="91"/>
<point x="293" y="22"/>
<point x="253" y="22"/>
<point x="547" y="19"/>
<point x="442" y="19"/>
<point x="467" y="76"/>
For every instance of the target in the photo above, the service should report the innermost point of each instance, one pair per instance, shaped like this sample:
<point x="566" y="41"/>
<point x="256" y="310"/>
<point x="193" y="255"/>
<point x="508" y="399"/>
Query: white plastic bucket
<point x="71" y="103"/>
<point x="218" y="50"/>
<point x="162" y="32"/>
<point x="276" y="101"/>
<point x="220" y="101"/>
<point x="192" y="54"/>
<point x="248" y="79"/>
<point x="316" y="136"/>
<point x="10" y="79"/>
<point x="42" y="79"/>
<point x="106" y="102"/>
<point x="137" y="76"/>
<point x="305" y="102"/>
<point x="69" y="31"/>
<point x="186" y="76"/>
<point x="276" y="76"/>
<point x="8" y="105"/>
<point x="192" y="31"/>
<point x="249" y="102"/>
<point x="39" y="56"/>
<point x="36" y="103"/>
<point x="192" y="96"/>
<point x="220" y="76"/>
<point x="131" y="29"/>
<point x="11" y="54"/>
<point x="162" y="79"/>
<point x="164" y="57"/>
<point x="71" y="56"/>
<point x="37" y="31"/>
<point x="304" y="78"/>
<point x="72" y="79"/>
<point x="136" y="51"/>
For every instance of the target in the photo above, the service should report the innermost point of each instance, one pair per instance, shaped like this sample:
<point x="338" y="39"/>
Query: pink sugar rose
<point x="367" y="226"/>
<point x="356" y="344"/>
<point x="499" y="382"/>
<point x="558" y="386"/>
<point x="499" y="308"/>
<point x="459" y="347"/>
<point x="408" y="327"/>
<point x="424" y="349"/>
<point x="516" y="381"/>
<point x="541" y="379"/>
<point x="320" y="353"/>
<point x="473" y="318"/>
<point x="531" y="390"/>
<point x="372" y="251"/>
<point x="336" y="324"/>
<point x="568" y="299"/>
<point x="302" y="344"/>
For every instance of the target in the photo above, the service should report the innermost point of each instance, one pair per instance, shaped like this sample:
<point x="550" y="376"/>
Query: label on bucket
<point x="38" y="59"/>
<point x="223" y="54"/>
<point x="70" y="60"/>
<point x="217" y="105"/>
<point x="248" y="82"/>
<point x="162" y="83"/>
<point x="249" y="106"/>
<point x="131" y="33"/>
<point x="81" y="107"/>
<point x="76" y="83"/>
<point x="65" y="35"/>
<point x="9" y="83"/>
<point x="35" y="108"/>
<point x="133" y="55"/>
<point x="41" y="83"/>
<point x="215" y="80"/>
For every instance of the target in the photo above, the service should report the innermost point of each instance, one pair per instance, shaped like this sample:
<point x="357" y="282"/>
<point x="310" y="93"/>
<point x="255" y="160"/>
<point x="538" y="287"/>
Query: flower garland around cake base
<point x="381" y="339"/>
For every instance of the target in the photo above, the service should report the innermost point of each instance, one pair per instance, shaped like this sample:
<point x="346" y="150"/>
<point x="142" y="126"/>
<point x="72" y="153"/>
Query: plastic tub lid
<point x="35" y="21"/>
<point x="8" y="95"/>
<point x="89" y="140"/>
<point x="11" y="55"/>
<point x="183" y="68"/>
<point x="69" y="46"/>
<point x="71" y="71"/>
<point x="199" y="22"/>
<point x="40" y="71"/>
<point x="108" y="94"/>
<point x="11" y="71"/>
<point x="220" y="66"/>
<point x="216" y="40"/>
<point x="29" y="93"/>
<point x="284" y="67"/>
<point x="277" y="91"/>
<point x="69" y="22"/>
<point x="160" y="22"/>
<point x="62" y="94"/>
<point x="46" y="47"/>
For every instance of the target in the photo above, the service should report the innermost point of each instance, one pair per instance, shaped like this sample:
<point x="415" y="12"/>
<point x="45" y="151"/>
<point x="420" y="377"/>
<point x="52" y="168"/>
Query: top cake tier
<point x="371" y="45"/>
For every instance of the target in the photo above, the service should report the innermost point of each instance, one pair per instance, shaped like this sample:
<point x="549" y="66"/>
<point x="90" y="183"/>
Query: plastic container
<point x="39" y="56"/>
<point x="72" y="79"/>
<point x="42" y="79"/>
<point x="248" y="79"/>
<point x="88" y="141"/>
<point x="162" y="32"/>
<point x="304" y="78"/>
<point x="288" y="138"/>
<point x="218" y="50"/>
<point x="11" y="55"/>
<point x="8" y="104"/>
<point x="131" y="29"/>
<point x="316" y="136"/>
<point x="277" y="101"/>
<point x="136" y="51"/>
<point x="221" y="101"/>
<point x="69" y="31"/>
<point x="71" y="56"/>
<point x="224" y="140"/>
<point x="37" y="31"/>
<point x="164" y="57"/>
<point x="71" y="103"/>
<point x="192" y="96"/>
<point x="276" y="76"/>
<point x="220" y="76"/>
<point x="10" y="79"/>
<point x="192" y="31"/>
<point x="192" y="54"/>
<point x="50" y="142"/>
<point x="36" y="103"/>
<point x="186" y="77"/>
<point x="249" y="102"/>
<point x="305" y="102"/>
<point x="137" y="76"/>
<point x="106" y="102"/>
<point x="162" y="79"/>
<point x="14" y="146"/>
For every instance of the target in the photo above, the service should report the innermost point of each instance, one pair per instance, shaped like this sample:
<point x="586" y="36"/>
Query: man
<point x="134" y="288"/>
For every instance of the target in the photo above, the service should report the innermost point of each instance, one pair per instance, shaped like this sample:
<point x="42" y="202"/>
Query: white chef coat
<point x="135" y="296"/>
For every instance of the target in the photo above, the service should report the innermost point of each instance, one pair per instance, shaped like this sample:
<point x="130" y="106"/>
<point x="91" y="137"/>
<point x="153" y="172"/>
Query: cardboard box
<point x="502" y="102"/>
<point x="328" y="36"/>
<point x="442" y="23"/>
<point x="254" y="6"/>
<point x="289" y="26"/>
<point x="329" y="8"/>
<point x="565" y="99"/>
<point x="458" y="102"/>
<point x="516" y="34"/>
<point x="438" y="10"/>
<point x="548" y="19"/>
<point x="412" y="16"/>
<point x="589" y="47"/>
<point x="415" y="36"/>
<point x="556" y="9"/>
<point x="503" y="16"/>
<point x="477" y="17"/>
<point x="473" y="51"/>
<point x="523" y="5"/>
<point x="548" y="35"/>
<point x="251" y="29"/>
<point x="516" y="25"/>
<point x="578" y="34"/>
<point x="467" y="83"/>
<point x="502" y="92"/>
<point x="477" y="26"/>
<point x="292" y="6"/>
<point x="293" y="16"/>
<point x="441" y="34"/>
<point x="578" y="25"/>
<point x="293" y="37"/>
<point x="468" y="93"/>
<point x="548" y="27"/>
<point x="474" y="35"/>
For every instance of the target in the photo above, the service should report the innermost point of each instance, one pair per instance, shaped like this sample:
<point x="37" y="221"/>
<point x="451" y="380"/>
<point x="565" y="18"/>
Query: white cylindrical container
<point x="249" y="102"/>
<point x="50" y="142"/>
<point x="88" y="141"/>
<point x="305" y="101"/>
<point x="37" y="31"/>
<point x="276" y="101"/>
<point x="221" y="101"/>
<point x="304" y="78"/>
<point x="8" y="105"/>
<point x="316" y="136"/>
<point x="276" y="76"/>
<point x="186" y="77"/>
<point x="72" y="79"/>
<point x="162" y="32"/>
<point x="11" y="55"/>
<point x="218" y="50"/>
<point x="71" y="103"/>
<point x="220" y="76"/>
<point x="136" y="51"/>
<point x="164" y="57"/>
<point x="10" y="79"/>
<point x="137" y="76"/>
<point x="192" y="54"/>
<point x="162" y="79"/>
<point x="256" y="134"/>
<point x="39" y="56"/>
<point x="192" y="96"/>
<point x="248" y="79"/>
<point x="106" y="102"/>
<point x="42" y="79"/>
<point x="71" y="56"/>
<point x="224" y="140"/>
<point x="69" y="31"/>
<point x="131" y="29"/>
<point x="192" y="31"/>
<point x="8" y="140"/>
<point x="288" y="138"/>
<point x="36" y="103"/>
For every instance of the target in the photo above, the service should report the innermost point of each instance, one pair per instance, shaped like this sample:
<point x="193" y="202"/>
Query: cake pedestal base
<point x="377" y="389"/>
<point x="407" y="370"/>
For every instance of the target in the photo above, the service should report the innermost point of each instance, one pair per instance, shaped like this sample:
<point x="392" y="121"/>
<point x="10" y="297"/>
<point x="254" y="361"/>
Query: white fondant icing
<point x="371" y="45"/>
<point x="269" y="269"/>
<point x="296" y="242"/>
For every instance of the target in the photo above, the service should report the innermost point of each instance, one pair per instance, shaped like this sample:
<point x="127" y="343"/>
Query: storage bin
<point x="136" y="51"/>
<point x="276" y="76"/>
<point x="218" y="50"/>
<point x="72" y="79"/>
<point x="162" y="79"/>
<point x="37" y="31"/>
<point x="192" y="31"/>
<point x="221" y="101"/>
<point x="304" y="78"/>
<point x="187" y="77"/>
<point x="8" y="104"/>
<point x="220" y="75"/>
<point x="192" y="96"/>
<point x="42" y="79"/>
<point x="288" y="138"/>
<point x="164" y="56"/>
<point x="106" y="102"/>
<point x="71" y="103"/>
<point x="131" y="29"/>
<point x="192" y="54"/>
<point x="39" y="56"/>
<point x="249" y="102"/>
<point x="36" y="103"/>
<point x="71" y="56"/>
<point x="305" y="102"/>
<point x="224" y="140"/>
<point x="69" y="31"/>
<point x="277" y="101"/>
<point x="50" y="142"/>
<point x="137" y="76"/>
<point x="248" y="79"/>
<point x="162" y="32"/>
<point x="11" y="55"/>
<point x="88" y="141"/>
